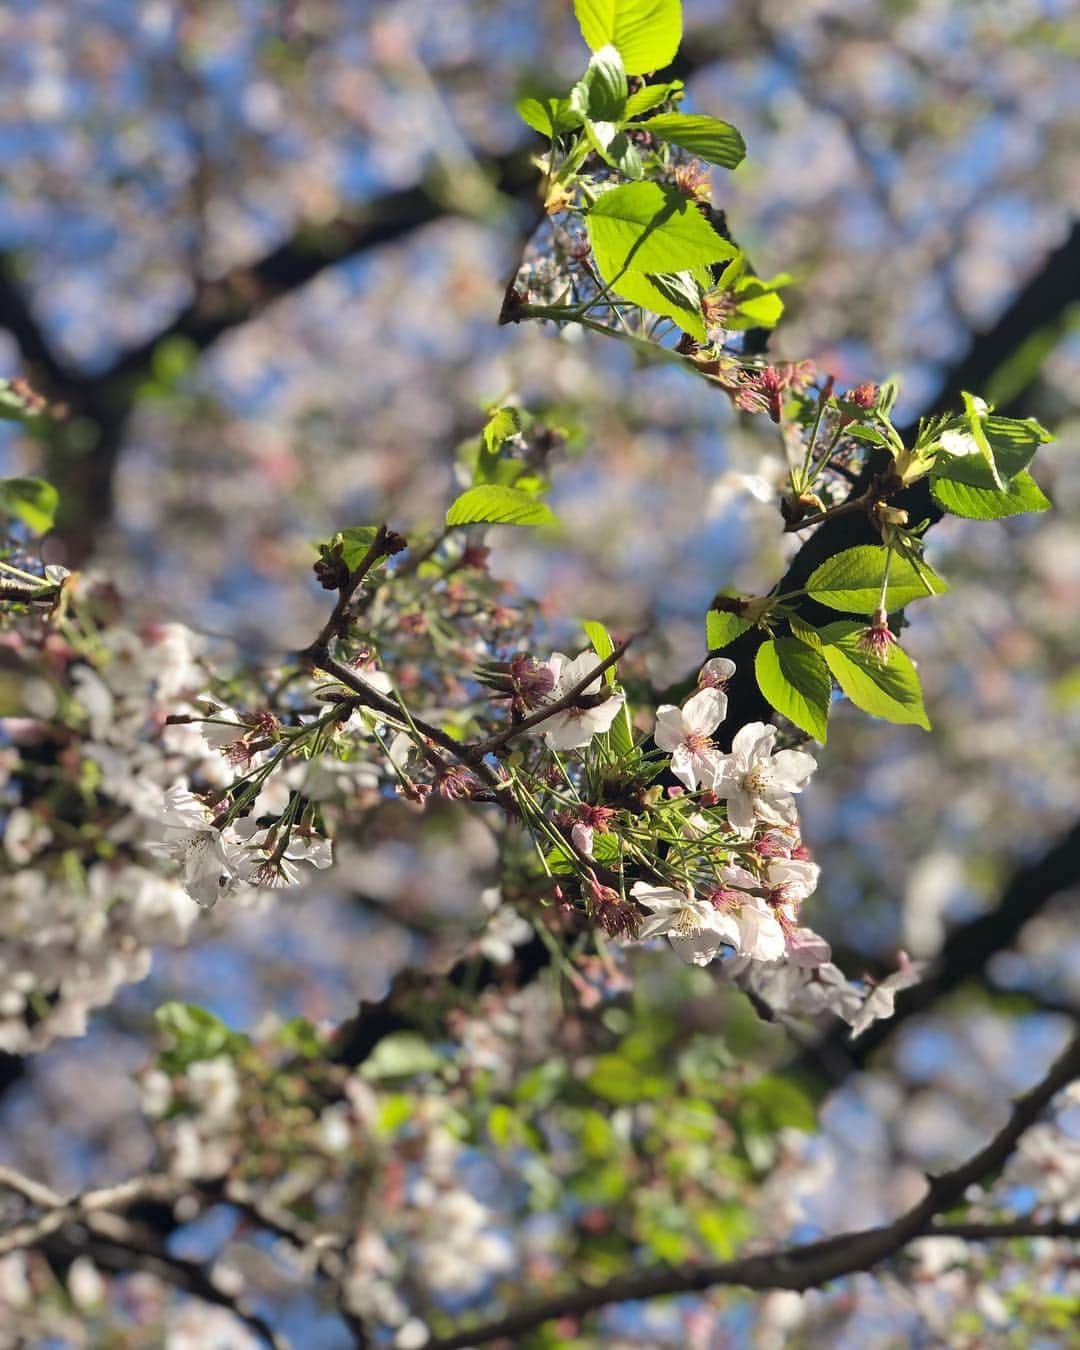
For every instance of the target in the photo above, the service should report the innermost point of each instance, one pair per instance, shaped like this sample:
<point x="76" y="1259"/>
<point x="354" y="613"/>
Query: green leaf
<point x="400" y="1055"/>
<point x="357" y="539"/>
<point x="600" y="94"/>
<point x="602" y="645"/>
<point x="1009" y="443"/>
<point x="502" y="423"/>
<point x="301" y="1037"/>
<point x="172" y="358"/>
<point x="551" y="117"/>
<point x="1020" y="494"/>
<point x="651" y="229"/>
<point x="621" y="734"/>
<point x="804" y="632"/>
<point x="759" y="304"/>
<point x="536" y="113"/>
<point x="562" y="859"/>
<point x="651" y="96"/>
<point x="675" y="295"/>
<point x="706" y="137"/>
<point x="618" y="1080"/>
<point x="890" y="691"/>
<point x="498" y="505"/>
<point x="31" y="500"/>
<point x="975" y="423"/>
<point x="757" y="311"/>
<point x="615" y="147"/>
<point x="851" y="580"/>
<point x="787" y="1106"/>
<point x="196" y="1034"/>
<point x="646" y="32"/>
<point x="724" y="1227"/>
<point x="795" y="680"/>
<point x="722" y="628"/>
<point x="865" y="433"/>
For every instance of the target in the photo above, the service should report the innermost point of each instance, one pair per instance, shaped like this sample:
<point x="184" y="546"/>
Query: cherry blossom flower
<point x="695" y="928"/>
<point x="686" y="734"/>
<point x="573" y="728"/>
<point x="758" y="784"/>
<point x="877" y="640"/>
<point x="226" y="727"/>
<point x="506" y="928"/>
<point x="881" y="1001"/>
<point x="210" y="858"/>
<point x="714" y="674"/>
<point x="754" y="929"/>
<point x="276" y="868"/>
<point x="775" y="894"/>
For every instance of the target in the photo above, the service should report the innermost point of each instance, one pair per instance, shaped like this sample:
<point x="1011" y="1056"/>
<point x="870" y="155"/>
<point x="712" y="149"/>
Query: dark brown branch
<point x="19" y="319"/>
<point x="803" y="1267"/>
<point x="1011" y="1228"/>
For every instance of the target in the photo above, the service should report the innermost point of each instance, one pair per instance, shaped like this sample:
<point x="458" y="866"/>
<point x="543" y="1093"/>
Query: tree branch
<point x="18" y="318"/>
<point x="811" y="1264"/>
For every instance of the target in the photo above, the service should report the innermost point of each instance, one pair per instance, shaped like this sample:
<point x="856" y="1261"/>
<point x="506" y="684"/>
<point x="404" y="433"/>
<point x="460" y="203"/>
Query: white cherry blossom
<point x="695" y="928"/>
<point x="262" y="866"/>
<point x="758" y="784"/>
<point x="574" y="728"/>
<point x="686" y="734"/>
<point x="715" y="674"/>
<point x="881" y="1001"/>
<point x="209" y="857"/>
<point x="226" y="726"/>
<point x="758" y="931"/>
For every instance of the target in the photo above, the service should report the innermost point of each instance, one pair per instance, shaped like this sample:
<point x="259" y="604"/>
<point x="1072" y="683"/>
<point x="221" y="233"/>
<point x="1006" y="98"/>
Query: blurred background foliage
<point x="257" y="251"/>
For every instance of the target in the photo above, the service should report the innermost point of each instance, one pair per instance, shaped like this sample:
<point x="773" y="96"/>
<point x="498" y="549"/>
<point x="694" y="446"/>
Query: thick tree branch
<point x="811" y="1264"/>
<point x="17" y="317"/>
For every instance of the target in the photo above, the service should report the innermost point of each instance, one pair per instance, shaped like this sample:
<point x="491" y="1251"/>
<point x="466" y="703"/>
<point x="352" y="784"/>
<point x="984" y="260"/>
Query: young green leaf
<point x="651" y="96"/>
<point x="722" y="628"/>
<point x="675" y="295"/>
<point x="1020" y="494"/>
<point x="603" y="646"/>
<point x="31" y="500"/>
<point x="889" y="690"/>
<point x="621" y="734"/>
<point x="400" y="1055"/>
<point x="1010" y="444"/>
<point x="851" y="580"/>
<point x="502" y="423"/>
<point x="615" y="147"/>
<point x="561" y="857"/>
<point x="536" y="113"/>
<point x="498" y="505"/>
<point x="356" y="540"/>
<point x="646" y="32"/>
<point x="196" y="1034"/>
<point x="647" y="228"/>
<point x="549" y="116"/>
<point x="600" y="94"/>
<point x="795" y="680"/>
<point x="707" y="137"/>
